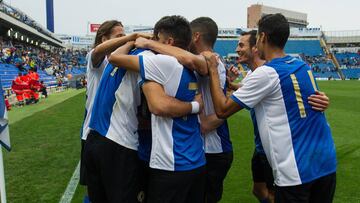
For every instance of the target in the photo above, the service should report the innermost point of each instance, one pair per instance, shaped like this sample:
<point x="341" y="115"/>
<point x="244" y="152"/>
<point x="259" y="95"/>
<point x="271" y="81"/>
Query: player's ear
<point x="103" y="39"/>
<point x="196" y="36"/>
<point x="254" y="49"/>
<point x="263" y="37"/>
<point x="170" y="41"/>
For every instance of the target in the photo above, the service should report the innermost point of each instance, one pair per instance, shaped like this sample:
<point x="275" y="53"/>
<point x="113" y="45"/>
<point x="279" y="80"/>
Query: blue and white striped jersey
<point x="297" y="140"/>
<point x="115" y="105"/>
<point x="176" y="142"/>
<point x="218" y="140"/>
<point x="93" y="77"/>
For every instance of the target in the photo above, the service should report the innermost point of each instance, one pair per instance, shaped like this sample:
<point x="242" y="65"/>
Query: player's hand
<point x="211" y="59"/>
<point x="129" y="45"/>
<point x="144" y="35"/>
<point x="232" y="73"/>
<point x="199" y="99"/>
<point x="231" y="85"/>
<point x="141" y="42"/>
<point x="319" y="101"/>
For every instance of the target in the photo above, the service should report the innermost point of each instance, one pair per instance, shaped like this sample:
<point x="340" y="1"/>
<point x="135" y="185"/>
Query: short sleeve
<point x="90" y="66"/>
<point x="255" y="87"/>
<point x="158" y="68"/>
<point x="222" y="75"/>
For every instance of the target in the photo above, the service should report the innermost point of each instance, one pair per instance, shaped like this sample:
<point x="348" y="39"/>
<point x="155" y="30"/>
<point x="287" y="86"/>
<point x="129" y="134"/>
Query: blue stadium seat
<point x="351" y="73"/>
<point x="306" y="47"/>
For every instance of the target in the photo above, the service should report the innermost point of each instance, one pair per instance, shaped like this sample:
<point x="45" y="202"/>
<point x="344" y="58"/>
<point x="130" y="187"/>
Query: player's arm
<point x="209" y="122"/>
<point x="120" y="58"/>
<point x="109" y="46"/>
<point x="319" y="101"/>
<point x="194" y="62"/>
<point x="224" y="106"/>
<point x="163" y="105"/>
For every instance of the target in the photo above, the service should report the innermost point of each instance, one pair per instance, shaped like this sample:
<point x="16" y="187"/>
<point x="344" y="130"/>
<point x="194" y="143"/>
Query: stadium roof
<point x="8" y="22"/>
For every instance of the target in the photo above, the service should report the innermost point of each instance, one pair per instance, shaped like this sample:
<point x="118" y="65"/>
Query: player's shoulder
<point x="165" y="59"/>
<point x="145" y="52"/>
<point x="264" y="69"/>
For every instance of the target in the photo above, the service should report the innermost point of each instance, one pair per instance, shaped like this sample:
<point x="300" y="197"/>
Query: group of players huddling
<point x="155" y="125"/>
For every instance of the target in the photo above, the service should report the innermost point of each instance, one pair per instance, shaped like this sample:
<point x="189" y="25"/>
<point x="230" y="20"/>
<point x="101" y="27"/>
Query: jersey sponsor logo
<point x="193" y="86"/>
<point x="114" y="71"/>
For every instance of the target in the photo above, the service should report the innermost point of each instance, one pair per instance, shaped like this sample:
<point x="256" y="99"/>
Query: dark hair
<point x="208" y="29"/>
<point x="105" y="30"/>
<point x="176" y="27"/>
<point x="252" y="39"/>
<point x="276" y="27"/>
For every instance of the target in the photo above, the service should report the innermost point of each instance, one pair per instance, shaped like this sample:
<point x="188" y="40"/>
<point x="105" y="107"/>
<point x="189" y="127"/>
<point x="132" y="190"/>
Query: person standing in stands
<point x="43" y="89"/>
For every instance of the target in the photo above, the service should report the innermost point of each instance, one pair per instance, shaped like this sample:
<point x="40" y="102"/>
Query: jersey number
<point x="299" y="99"/>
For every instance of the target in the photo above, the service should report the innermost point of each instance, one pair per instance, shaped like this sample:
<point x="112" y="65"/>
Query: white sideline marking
<point x="71" y="187"/>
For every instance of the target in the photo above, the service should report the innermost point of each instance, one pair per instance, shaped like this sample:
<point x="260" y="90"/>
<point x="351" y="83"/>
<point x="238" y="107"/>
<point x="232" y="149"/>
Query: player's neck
<point x="255" y="63"/>
<point x="274" y="52"/>
<point x="202" y="48"/>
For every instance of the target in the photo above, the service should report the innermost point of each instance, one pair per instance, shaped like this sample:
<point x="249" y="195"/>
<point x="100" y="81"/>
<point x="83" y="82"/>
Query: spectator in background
<point x="43" y="89"/>
<point x="7" y="104"/>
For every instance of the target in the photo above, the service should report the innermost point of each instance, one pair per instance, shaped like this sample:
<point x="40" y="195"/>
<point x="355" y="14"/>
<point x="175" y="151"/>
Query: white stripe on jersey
<point x="212" y="140"/>
<point x="93" y="76"/>
<point x="272" y="120"/>
<point x="123" y="122"/>
<point x="176" y="142"/>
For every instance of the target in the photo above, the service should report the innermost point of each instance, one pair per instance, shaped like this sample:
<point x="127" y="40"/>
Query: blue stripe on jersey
<point x="187" y="143"/>
<point x="258" y="145"/>
<point x="141" y="63"/>
<point x="144" y="148"/>
<point x="313" y="145"/>
<point x="241" y="104"/>
<point x="105" y="98"/>
<point x="142" y="71"/>
<point x="223" y="133"/>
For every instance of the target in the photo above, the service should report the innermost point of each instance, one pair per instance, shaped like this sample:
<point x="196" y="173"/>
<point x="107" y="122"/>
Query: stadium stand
<point x="17" y="57"/>
<point x="223" y="46"/>
<point x="348" y="59"/>
<point x="351" y="73"/>
<point x="306" y="47"/>
<point x="309" y="50"/>
<point x="21" y="16"/>
<point x="350" y="64"/>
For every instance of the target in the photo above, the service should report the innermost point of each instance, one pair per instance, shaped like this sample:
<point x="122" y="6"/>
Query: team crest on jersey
<point x="193" y="86"/>
<point x="114" y="71"/>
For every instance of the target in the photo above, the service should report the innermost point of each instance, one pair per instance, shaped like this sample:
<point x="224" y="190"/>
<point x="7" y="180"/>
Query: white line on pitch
<point x="71" y="187"/>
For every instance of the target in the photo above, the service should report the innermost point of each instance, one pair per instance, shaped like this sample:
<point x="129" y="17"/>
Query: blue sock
<point x="86" y="199"/>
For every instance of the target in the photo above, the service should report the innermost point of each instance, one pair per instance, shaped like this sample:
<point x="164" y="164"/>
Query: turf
<point x="46" y="148"/>
<point x="18" y="113"/>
